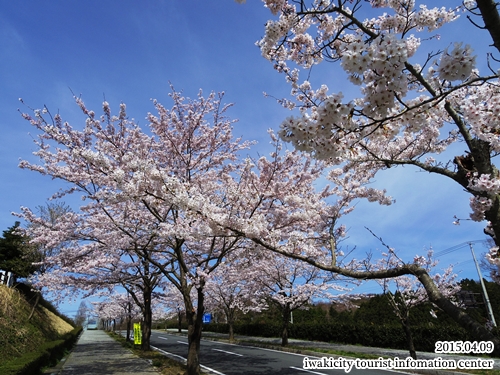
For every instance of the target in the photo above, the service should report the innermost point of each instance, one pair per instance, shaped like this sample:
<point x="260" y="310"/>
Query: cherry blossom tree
<point x="118" y="307"/>
<point x="142" y="291"/>
<point x="108" y="313"/>
<point x="405" y="292"/>
<point x="234" y="287"/>
<point x="193" y="160"/>
<point x="413" y="99"/>
<point x="289" y="216"/>
<point x="175" y="302"/>
<point x="94" y="254"/>
<point x="125" y="310"/>
<point x="142" y="188"/>
<point x="81" y="314"/>
<point x="292" y="284"/>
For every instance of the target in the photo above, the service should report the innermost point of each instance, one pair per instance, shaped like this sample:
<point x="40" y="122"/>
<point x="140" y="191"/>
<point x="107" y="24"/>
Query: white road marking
<point x="182" y="342"/>
<point x="225" y="351"/>
<point x="277" y="351"/>
<point x="212" y="370"/>
<point x="163" y="338"/>
<point x="184" y="360"/>
<point x="258" y="347"/>
<point x="312" y="372"/>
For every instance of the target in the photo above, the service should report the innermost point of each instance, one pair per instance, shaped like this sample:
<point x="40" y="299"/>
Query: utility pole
<point x="485" y="293"/>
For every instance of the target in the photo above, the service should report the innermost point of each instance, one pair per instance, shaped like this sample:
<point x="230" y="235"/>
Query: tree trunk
<point x="194" y="337"/>
<point x="148" y="318"/>
<point x="491" y="18"/>
<point x="179" y="315"/>
<point x="230" y="322"/>
<point x="129" y="321"/>
<point x="195" y="324"/>
<point x="231" y="332"/>
<point x="286" y="323"/>
<point x="34" y="305"/>
<point x="478" y="331"/>
<point x="409" y="338"/>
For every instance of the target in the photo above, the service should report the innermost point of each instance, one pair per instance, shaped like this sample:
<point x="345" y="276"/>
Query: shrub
<point x="366" y="334"/>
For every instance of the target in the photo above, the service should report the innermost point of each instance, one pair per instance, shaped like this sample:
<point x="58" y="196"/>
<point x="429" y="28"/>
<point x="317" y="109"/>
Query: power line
<point x="457" y="247"/>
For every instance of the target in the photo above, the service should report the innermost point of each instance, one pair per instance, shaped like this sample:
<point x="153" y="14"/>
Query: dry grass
<point x="165" y="365"/>
<point x="57" y="324"/>
<point x="10" y="300"/>
<point x="19" y="334"/>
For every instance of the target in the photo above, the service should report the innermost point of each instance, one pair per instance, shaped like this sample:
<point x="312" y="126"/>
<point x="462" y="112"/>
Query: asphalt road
<point x="230" y="359"/>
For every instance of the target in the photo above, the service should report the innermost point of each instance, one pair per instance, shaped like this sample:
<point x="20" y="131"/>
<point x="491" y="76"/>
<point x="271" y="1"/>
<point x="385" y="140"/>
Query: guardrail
<point x="7" y="278"/>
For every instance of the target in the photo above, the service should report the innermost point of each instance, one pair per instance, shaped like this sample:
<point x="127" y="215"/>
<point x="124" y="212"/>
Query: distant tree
<point x="51" y="212"/>
<point x="233" y="292"/>
<point x="310" y="314"/>
<point x="404" y="293"/>
<point x="376" y="310"/>
<point x="478" y="309"/>
<point x="17" y="255"/>
<point x="342" y="311"/>
<point x="292" y="285"/>
<point x="119" y="306"/>
<point x="81" y="314"/>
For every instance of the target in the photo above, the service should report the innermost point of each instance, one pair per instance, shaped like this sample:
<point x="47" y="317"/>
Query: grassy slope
<point x="20" y="335"/>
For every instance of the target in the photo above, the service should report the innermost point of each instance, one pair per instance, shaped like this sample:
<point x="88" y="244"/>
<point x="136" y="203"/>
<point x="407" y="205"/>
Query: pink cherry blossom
<point x="408" y="102"/>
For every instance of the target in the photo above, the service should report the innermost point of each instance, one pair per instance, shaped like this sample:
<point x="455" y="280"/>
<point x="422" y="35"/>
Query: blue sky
<point x="129" y="51"/>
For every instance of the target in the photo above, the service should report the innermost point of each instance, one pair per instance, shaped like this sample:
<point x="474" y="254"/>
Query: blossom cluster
<point x="375" y="58"/>
<point x="479" y="206"/>
<point x="404" y="109"/>
<point x="493" y="258"/>
<point x="411" y="292"/>
<point x="484" y="183"/>
<point x="482" y="111"/>
<point x="457" y="64"/>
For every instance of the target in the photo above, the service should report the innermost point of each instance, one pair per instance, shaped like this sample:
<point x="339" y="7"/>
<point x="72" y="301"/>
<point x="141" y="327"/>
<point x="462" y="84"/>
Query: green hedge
<point x="385" y="336"/>
<point x="47" y="354"/>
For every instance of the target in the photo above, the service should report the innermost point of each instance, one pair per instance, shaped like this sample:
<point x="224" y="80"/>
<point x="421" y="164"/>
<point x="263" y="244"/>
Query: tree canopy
<point x="17" y="255"/>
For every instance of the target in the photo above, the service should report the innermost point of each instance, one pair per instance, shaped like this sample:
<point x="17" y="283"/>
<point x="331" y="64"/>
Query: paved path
<point x="98" y="354"/>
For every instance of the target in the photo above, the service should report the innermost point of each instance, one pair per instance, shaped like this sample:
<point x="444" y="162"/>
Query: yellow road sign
<point x="137" y="334"/>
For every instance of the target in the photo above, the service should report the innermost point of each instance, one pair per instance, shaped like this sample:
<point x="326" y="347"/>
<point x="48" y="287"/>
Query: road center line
<point x="225" y="351"/>
<point x="182" y="342"/>
<point x="311" y="372"/>
<point x="163" y="338"/>
<point x="259" y="348"/>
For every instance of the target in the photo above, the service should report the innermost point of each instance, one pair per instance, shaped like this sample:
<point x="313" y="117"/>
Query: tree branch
<point x="491" y="18"/>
